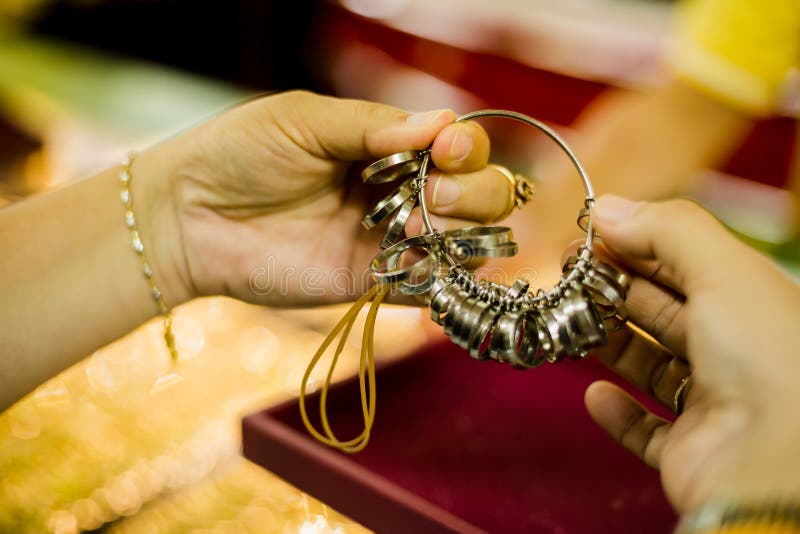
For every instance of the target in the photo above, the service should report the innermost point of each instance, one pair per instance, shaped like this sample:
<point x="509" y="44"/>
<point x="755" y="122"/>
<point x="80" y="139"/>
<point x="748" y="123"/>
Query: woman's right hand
<point x="724" y="313"/>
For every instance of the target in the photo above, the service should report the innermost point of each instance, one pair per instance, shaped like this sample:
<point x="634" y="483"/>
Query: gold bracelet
<point x="136" y="244"/>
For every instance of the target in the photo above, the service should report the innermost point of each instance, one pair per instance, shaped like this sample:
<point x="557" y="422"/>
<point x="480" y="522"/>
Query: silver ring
<point x="386" y="206"/>
<point x="476" y="344"/>
<point x="483" y="236"/>
<point x="440" y="303"/>
<point x="471" y="242"/>
<point x="398" y="223"/>
<point x="392" y="167"/>
<point x="384" y="264"/>
<point x="455" y="312"/>
<point x="462" y="251"/>
<point x="584" y="325"/>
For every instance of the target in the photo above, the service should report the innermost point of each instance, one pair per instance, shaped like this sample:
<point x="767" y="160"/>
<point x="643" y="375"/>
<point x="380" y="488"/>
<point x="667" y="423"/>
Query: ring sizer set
<point x="490" y="320"/>
<point x="509" y="324"/>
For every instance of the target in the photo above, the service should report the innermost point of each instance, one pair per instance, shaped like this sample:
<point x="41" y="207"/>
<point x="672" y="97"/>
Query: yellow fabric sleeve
<point x="738" y="51"/>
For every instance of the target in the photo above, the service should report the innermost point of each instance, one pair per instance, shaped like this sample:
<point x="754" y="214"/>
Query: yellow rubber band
<point x="366" y="373"/>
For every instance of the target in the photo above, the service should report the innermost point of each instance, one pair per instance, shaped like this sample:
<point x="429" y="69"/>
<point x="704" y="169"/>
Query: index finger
<point x="676" y="243"/>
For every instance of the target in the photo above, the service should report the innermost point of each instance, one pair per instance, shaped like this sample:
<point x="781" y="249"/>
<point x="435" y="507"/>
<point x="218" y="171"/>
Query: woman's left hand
<point x="263" y="202"/>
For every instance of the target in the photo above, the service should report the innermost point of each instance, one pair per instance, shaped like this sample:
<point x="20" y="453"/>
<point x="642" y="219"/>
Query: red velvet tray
<point x="467" y="446"/>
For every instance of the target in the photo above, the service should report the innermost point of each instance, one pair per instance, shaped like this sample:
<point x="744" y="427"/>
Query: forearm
<point x="643" y="145"/>
<point x="70" y="281"/>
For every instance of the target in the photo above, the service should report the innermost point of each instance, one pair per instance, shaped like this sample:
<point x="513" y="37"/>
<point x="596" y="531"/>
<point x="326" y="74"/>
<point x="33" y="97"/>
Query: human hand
<point x="268" y="188"/>
<point x="727" y="314"/>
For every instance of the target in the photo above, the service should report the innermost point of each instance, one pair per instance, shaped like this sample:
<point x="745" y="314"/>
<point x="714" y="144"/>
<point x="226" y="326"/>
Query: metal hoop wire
<point x="530" y="121"/>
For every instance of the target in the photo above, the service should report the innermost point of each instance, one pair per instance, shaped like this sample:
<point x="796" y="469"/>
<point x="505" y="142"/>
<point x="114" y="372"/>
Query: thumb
<point x="676" y="242"/>
<point x="352" y="130"/>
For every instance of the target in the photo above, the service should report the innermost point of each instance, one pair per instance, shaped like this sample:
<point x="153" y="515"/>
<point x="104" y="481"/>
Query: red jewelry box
<point x="465" y="446"/>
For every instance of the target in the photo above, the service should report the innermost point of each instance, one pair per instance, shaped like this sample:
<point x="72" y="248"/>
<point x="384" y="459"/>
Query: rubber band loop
<point x="366" y="373"/>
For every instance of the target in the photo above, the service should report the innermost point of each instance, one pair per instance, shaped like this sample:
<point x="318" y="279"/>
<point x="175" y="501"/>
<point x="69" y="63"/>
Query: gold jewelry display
<point x="491" y="321"/>
<point x="126" y="197"/>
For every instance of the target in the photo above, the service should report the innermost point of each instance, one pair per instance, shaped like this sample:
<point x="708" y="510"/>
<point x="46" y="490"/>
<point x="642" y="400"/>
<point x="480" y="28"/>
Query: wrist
<point x="154" y="176"/>
<point x="764" y="468"/>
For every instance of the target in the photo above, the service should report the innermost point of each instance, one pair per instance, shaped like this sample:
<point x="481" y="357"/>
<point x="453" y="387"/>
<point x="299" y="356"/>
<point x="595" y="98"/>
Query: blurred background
<point x="126" y="442"/>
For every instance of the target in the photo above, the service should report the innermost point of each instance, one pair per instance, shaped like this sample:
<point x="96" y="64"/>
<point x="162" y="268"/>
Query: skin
<point x="274" y="178"/>
<point x="727" y="313"/>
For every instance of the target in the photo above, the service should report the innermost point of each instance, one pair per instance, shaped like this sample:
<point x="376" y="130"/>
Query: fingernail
<point x="445" y="192"/>
<point x="460" y="146"/>
<point x="613" y="209"/>
<point x="427" y="117"/>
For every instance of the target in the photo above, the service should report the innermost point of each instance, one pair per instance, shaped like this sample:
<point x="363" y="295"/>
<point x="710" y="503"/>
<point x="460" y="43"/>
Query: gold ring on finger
<point x="679" y="399"/>
<point x="520" y="192"/>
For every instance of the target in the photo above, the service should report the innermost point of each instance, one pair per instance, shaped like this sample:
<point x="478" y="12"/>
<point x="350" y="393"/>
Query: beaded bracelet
<point x="126" y="197"/>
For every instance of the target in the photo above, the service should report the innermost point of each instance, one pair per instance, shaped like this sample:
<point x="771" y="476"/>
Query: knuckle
<point x="619" y="346"/>
<point x="665" y="318"/>
<point x="297" y="97"/>
<point x="499" y="191"/>
<point x="652" y="450"/>
<point x="629" y="433"/>
<point x="655" y="379"/>
<point x="364" y="110"/>
<point x="479" y="199"/>
<point x="681" y="208"/>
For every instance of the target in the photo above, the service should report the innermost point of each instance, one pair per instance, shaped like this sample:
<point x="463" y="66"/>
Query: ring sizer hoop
<point x="585" y="213"/>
